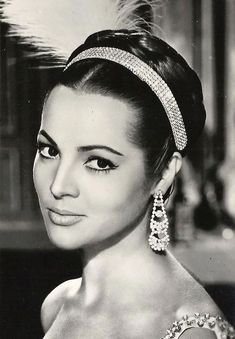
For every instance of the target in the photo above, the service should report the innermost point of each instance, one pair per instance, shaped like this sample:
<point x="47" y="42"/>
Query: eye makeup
<point x="99" y="164"/>
<point x="46" y="150"/>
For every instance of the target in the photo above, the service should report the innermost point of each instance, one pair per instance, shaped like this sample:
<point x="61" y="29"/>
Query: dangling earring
<point x="158" y="238"/>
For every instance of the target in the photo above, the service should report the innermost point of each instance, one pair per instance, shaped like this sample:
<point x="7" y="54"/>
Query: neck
<point x="122" y="265"/>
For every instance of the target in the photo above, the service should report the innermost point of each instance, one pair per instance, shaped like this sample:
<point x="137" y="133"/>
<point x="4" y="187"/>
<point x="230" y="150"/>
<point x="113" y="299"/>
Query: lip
<point x="63" y="212"/>
<point x="63" y="217"/>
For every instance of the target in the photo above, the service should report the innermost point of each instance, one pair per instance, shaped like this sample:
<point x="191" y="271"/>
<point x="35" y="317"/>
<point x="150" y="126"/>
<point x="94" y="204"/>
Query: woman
<point x="114" y="129"/>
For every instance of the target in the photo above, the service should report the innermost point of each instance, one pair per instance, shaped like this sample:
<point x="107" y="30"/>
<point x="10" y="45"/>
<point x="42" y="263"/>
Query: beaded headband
<point x="144" y="72"/>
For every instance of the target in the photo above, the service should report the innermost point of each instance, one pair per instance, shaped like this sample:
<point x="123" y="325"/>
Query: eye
<point x="47" y="151"/>
<point x="100" y="164"/>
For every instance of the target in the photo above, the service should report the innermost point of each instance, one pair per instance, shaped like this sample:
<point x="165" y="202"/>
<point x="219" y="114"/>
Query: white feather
<point x="57" y="27"/>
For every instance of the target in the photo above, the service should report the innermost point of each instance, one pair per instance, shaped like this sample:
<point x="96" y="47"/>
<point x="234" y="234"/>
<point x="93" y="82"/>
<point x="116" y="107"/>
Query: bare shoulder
<point x="193" y="298"/>
<point x="195" y="333"/>
<point x="197" y="300"/>
<point x="55" y="300"/>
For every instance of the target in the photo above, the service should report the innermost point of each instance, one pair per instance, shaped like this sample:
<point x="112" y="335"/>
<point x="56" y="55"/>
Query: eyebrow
<point x="82" y="148"/>
<point x="102" y="147"/>
<point x="47" y="136"/>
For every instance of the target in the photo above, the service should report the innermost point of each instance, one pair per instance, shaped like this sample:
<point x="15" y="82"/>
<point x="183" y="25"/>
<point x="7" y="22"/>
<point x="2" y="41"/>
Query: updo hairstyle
<point x="152" y="131"/>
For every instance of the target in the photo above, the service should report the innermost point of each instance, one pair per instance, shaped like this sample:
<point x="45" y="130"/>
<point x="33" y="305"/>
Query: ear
<point x="169" y="174"/>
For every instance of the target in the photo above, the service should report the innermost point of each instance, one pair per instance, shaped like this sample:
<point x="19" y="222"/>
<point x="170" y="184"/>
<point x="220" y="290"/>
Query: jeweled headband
<point x="144" y="72"/>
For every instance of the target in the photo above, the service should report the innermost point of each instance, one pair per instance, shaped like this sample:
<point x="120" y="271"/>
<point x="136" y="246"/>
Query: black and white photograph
<point x="117" y="169"/>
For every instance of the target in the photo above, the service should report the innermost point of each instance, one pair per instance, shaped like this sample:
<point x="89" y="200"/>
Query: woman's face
<point x="90" y="179"/>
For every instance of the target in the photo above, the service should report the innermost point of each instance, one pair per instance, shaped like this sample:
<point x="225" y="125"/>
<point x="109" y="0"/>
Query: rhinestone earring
<point x="158" y="238"/>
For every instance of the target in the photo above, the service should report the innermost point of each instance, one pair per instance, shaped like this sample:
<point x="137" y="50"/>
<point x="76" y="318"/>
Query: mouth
<point x="64" y="217"/>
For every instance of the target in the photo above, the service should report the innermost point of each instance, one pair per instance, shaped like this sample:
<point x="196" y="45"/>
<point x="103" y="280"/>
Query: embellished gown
<point x="217" y="324"/>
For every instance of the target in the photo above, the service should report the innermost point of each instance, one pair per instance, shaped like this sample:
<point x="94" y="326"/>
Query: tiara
<point x="145" y="73"/>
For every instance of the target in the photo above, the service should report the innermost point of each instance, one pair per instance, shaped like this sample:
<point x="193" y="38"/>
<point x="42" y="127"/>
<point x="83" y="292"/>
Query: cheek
<point x="36" y="173"/>
<point x="40" y="178"/>
<point x="118" y="194"/>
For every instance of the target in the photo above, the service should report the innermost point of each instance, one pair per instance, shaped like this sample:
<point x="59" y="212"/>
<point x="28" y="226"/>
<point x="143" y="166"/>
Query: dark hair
<point x="152" y="132"/>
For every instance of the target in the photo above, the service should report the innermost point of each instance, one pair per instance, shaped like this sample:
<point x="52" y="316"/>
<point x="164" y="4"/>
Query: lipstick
<point x="63" y="217"/>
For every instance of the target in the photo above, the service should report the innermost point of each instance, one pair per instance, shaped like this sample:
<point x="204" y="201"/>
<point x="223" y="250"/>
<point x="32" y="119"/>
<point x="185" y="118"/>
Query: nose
<point x="64" y="182"/>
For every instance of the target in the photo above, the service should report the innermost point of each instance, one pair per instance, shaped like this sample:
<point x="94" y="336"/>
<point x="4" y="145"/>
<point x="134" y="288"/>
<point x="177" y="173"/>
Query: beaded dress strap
<point x="217" y="324"/>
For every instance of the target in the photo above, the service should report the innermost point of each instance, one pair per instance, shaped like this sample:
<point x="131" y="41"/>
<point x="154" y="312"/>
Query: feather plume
<point x="57" y="27"/>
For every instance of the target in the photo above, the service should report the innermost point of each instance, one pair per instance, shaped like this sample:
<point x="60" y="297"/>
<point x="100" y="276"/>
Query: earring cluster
<point x="158" y="238"/>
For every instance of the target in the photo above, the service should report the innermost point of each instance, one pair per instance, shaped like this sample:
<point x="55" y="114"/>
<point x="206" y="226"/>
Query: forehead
<point x="86" y="117"/>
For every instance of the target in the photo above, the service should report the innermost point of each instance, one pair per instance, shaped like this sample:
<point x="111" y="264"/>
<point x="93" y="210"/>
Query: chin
<point x="67" y="237"/>
<point x="70" y="238"/>
<point x="64" y="242"/>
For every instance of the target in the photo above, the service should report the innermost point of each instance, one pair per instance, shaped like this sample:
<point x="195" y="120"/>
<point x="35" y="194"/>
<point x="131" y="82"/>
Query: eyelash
<point x="41" y="146"/>
<point x="112" y="166"/>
